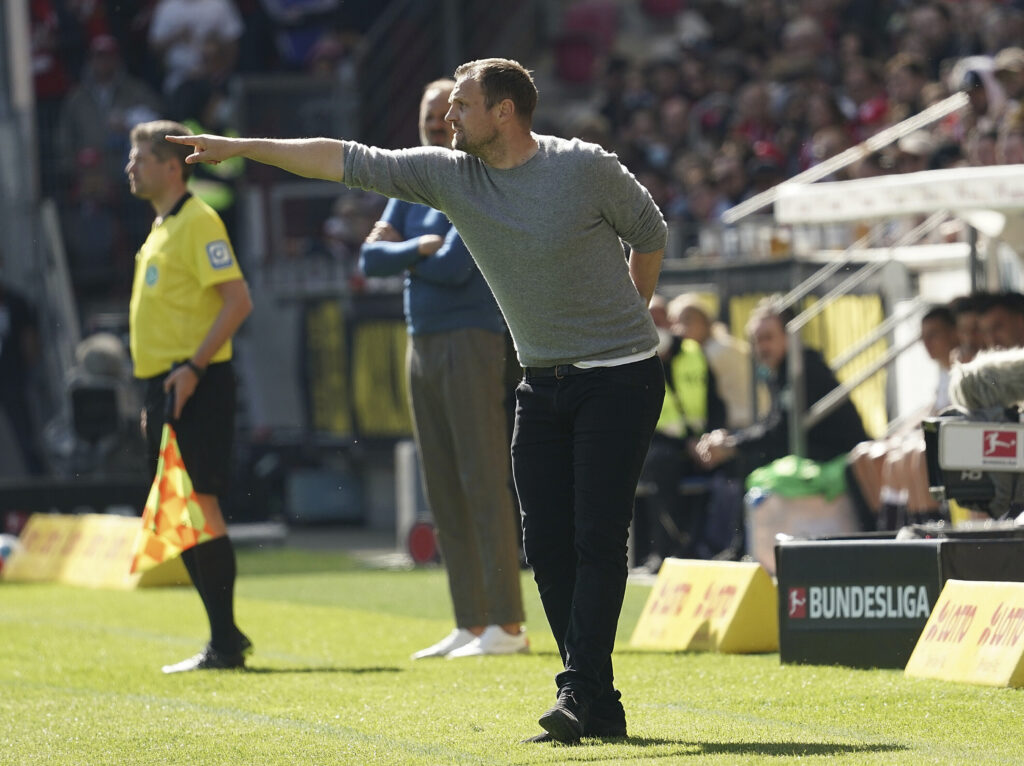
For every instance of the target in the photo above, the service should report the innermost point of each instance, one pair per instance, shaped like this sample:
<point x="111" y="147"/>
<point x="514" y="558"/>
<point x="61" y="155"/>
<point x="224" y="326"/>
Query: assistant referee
<point x="188" y="300"/>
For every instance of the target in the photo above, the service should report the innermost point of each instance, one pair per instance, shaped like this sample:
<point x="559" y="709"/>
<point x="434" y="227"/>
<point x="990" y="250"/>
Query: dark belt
<point x="558" y="371"/>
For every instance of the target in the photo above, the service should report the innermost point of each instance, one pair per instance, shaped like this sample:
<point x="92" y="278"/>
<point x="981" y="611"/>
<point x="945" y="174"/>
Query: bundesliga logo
<point x="832" y="602"/>
<point x="999" y="444"/>
<point x="797" y="603"/>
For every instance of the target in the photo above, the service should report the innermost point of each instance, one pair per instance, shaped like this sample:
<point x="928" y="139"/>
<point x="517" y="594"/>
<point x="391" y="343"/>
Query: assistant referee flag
<point x="172" y="521"/>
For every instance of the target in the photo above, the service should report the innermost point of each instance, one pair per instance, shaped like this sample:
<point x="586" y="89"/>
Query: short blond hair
<point x="685" y="301"/>
<point x="151" y="134"/>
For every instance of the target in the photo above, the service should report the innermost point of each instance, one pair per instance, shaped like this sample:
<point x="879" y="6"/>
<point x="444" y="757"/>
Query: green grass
<point x="331" y="683"/>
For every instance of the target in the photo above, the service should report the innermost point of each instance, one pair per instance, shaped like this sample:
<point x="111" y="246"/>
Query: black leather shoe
<point x="600" y="728"/>
<point x="568" y="719"/>
<point x="212" y="659"/>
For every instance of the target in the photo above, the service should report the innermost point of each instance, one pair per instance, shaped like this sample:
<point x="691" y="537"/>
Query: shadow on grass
<point x="324" y="669"/>
<point x="786" y="749"/>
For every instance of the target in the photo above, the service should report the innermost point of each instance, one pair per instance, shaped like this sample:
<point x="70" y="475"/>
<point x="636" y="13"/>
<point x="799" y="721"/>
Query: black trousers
<point x="205" y="430"/>
<point x="577" y="450"/>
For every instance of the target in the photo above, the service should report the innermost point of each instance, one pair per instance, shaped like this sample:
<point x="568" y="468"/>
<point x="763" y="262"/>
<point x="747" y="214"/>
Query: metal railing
<point x="844" y="159"/>
<point x="801" y="416"/>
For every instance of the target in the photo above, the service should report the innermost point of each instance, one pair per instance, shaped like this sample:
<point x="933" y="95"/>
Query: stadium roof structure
<point x="989" y="198"/>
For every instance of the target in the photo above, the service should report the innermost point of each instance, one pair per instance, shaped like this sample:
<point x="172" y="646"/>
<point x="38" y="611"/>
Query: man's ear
<point x="506" y="110"/>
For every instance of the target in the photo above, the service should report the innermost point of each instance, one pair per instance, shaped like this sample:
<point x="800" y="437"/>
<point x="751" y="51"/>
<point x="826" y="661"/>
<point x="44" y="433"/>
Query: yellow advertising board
<point x="94" y="550"/>
<point x="975" y="634"/>
<point x="718" y="606"/>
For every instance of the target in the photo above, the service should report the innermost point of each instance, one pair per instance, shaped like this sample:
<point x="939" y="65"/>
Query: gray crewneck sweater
<point x="547" y="236"/>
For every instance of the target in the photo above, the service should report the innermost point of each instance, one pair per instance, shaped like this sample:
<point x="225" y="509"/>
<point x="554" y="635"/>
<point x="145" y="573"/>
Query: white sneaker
<point x="457" y="639"/>
<point x="494" y="640"/>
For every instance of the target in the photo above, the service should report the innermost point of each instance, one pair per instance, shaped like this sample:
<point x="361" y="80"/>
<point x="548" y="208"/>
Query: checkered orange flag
<point x="172" y="520"/>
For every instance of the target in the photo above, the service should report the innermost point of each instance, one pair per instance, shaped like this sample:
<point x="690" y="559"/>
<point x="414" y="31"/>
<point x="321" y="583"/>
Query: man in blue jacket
<point x="456" y="372"/>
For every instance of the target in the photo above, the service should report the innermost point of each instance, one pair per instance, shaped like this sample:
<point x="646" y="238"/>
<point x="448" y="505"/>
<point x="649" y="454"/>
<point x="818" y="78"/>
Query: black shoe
<point x="212" y="659"/>
<point x="599" y="728"/>
<point x="542" y="737"/>
<point x="607" y="717"/>
<point x="568" y="719"/>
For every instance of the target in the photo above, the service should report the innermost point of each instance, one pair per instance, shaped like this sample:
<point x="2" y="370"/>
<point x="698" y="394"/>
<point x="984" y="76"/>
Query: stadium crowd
<point x="743" y="95"/>
<point x="718" y="100"/>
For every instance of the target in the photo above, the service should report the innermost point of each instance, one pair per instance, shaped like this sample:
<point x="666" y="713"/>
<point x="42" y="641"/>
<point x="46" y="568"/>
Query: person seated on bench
<point x="670" y="521"/>
<point x="768" y="440"/>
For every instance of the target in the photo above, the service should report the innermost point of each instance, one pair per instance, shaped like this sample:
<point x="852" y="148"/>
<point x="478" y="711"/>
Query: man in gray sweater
<point x="545" y="219"/>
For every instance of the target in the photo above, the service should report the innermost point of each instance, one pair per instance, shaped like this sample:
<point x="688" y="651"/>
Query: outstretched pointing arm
<point x="308" y="157"/>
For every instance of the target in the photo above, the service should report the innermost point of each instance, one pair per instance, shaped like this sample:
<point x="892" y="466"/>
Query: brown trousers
<point x="457" y="393"/>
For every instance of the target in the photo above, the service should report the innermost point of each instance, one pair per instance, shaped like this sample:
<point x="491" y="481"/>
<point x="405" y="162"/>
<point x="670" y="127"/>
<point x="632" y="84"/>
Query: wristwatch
<point x="199" y="371"/>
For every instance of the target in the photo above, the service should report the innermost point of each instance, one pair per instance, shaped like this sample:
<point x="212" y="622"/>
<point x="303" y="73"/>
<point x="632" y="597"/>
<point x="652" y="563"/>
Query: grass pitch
<point x="331" y="683"/>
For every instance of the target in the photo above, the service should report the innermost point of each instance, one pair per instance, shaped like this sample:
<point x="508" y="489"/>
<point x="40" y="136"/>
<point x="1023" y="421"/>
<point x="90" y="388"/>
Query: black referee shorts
<point x="205" y="429"/>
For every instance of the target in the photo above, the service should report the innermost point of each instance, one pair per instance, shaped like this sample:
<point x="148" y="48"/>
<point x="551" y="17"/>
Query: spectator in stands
<point x="692" y="407"/>
<point x="663" y="79"/>
<point x="1008" y="68"/>
<point x="729" y="173"/>
<point x="980" y="147"/>
<point x="100" y="111"/>
<point x="769" y="439"/>
<point x="94" y="236"/>
<point x="967" y="311"/>
<point x="764" y="168"/>
<point x="864" y="91"/>
<point x="703" y="204"/>
<point x="1001" y="321"/>
<point x="455" y="367"/>
<point x="621" y="93"/>
<point x="205" y="101"/>
<point x="805" y="45"/>
<point x="642" y="144"/>
<point x="998" y="26"/>
<point x="986" y="100"/>
<point x="820" y="110"/>
<point x="180" y="28"/>
<point x="914" y="152"/>
<point x="1010" y="142"/>
<point x="753" y="119"/>
<point x="906" y="76"/>
<point x="92" y="143"/>
<point x="712" y="108"/>
<point x="827" y="143"/>
<point x="947" y="155"/>
<point x="938" y="334"/>
<point x="60" y="34"/>
<point x="932" y="33"/>
<point x="300" y="26"/>
<point x="674" y="123"/>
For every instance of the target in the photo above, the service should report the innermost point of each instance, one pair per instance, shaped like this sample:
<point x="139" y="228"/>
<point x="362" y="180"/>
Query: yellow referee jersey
<point x="174" y="296"/>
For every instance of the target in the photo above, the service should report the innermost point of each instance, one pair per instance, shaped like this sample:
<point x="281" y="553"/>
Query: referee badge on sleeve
<point x="219" y="254"/>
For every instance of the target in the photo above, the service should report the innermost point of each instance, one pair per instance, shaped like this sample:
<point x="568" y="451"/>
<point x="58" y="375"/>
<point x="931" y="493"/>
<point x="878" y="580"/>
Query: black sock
<point x="212" y="567"/>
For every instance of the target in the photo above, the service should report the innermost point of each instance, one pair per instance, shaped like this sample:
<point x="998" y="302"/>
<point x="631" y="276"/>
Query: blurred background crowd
<point x="707" y="102"/>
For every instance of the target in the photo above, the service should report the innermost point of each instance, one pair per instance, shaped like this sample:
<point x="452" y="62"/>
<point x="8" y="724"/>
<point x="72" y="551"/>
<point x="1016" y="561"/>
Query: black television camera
<point x="979" y="463"/>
